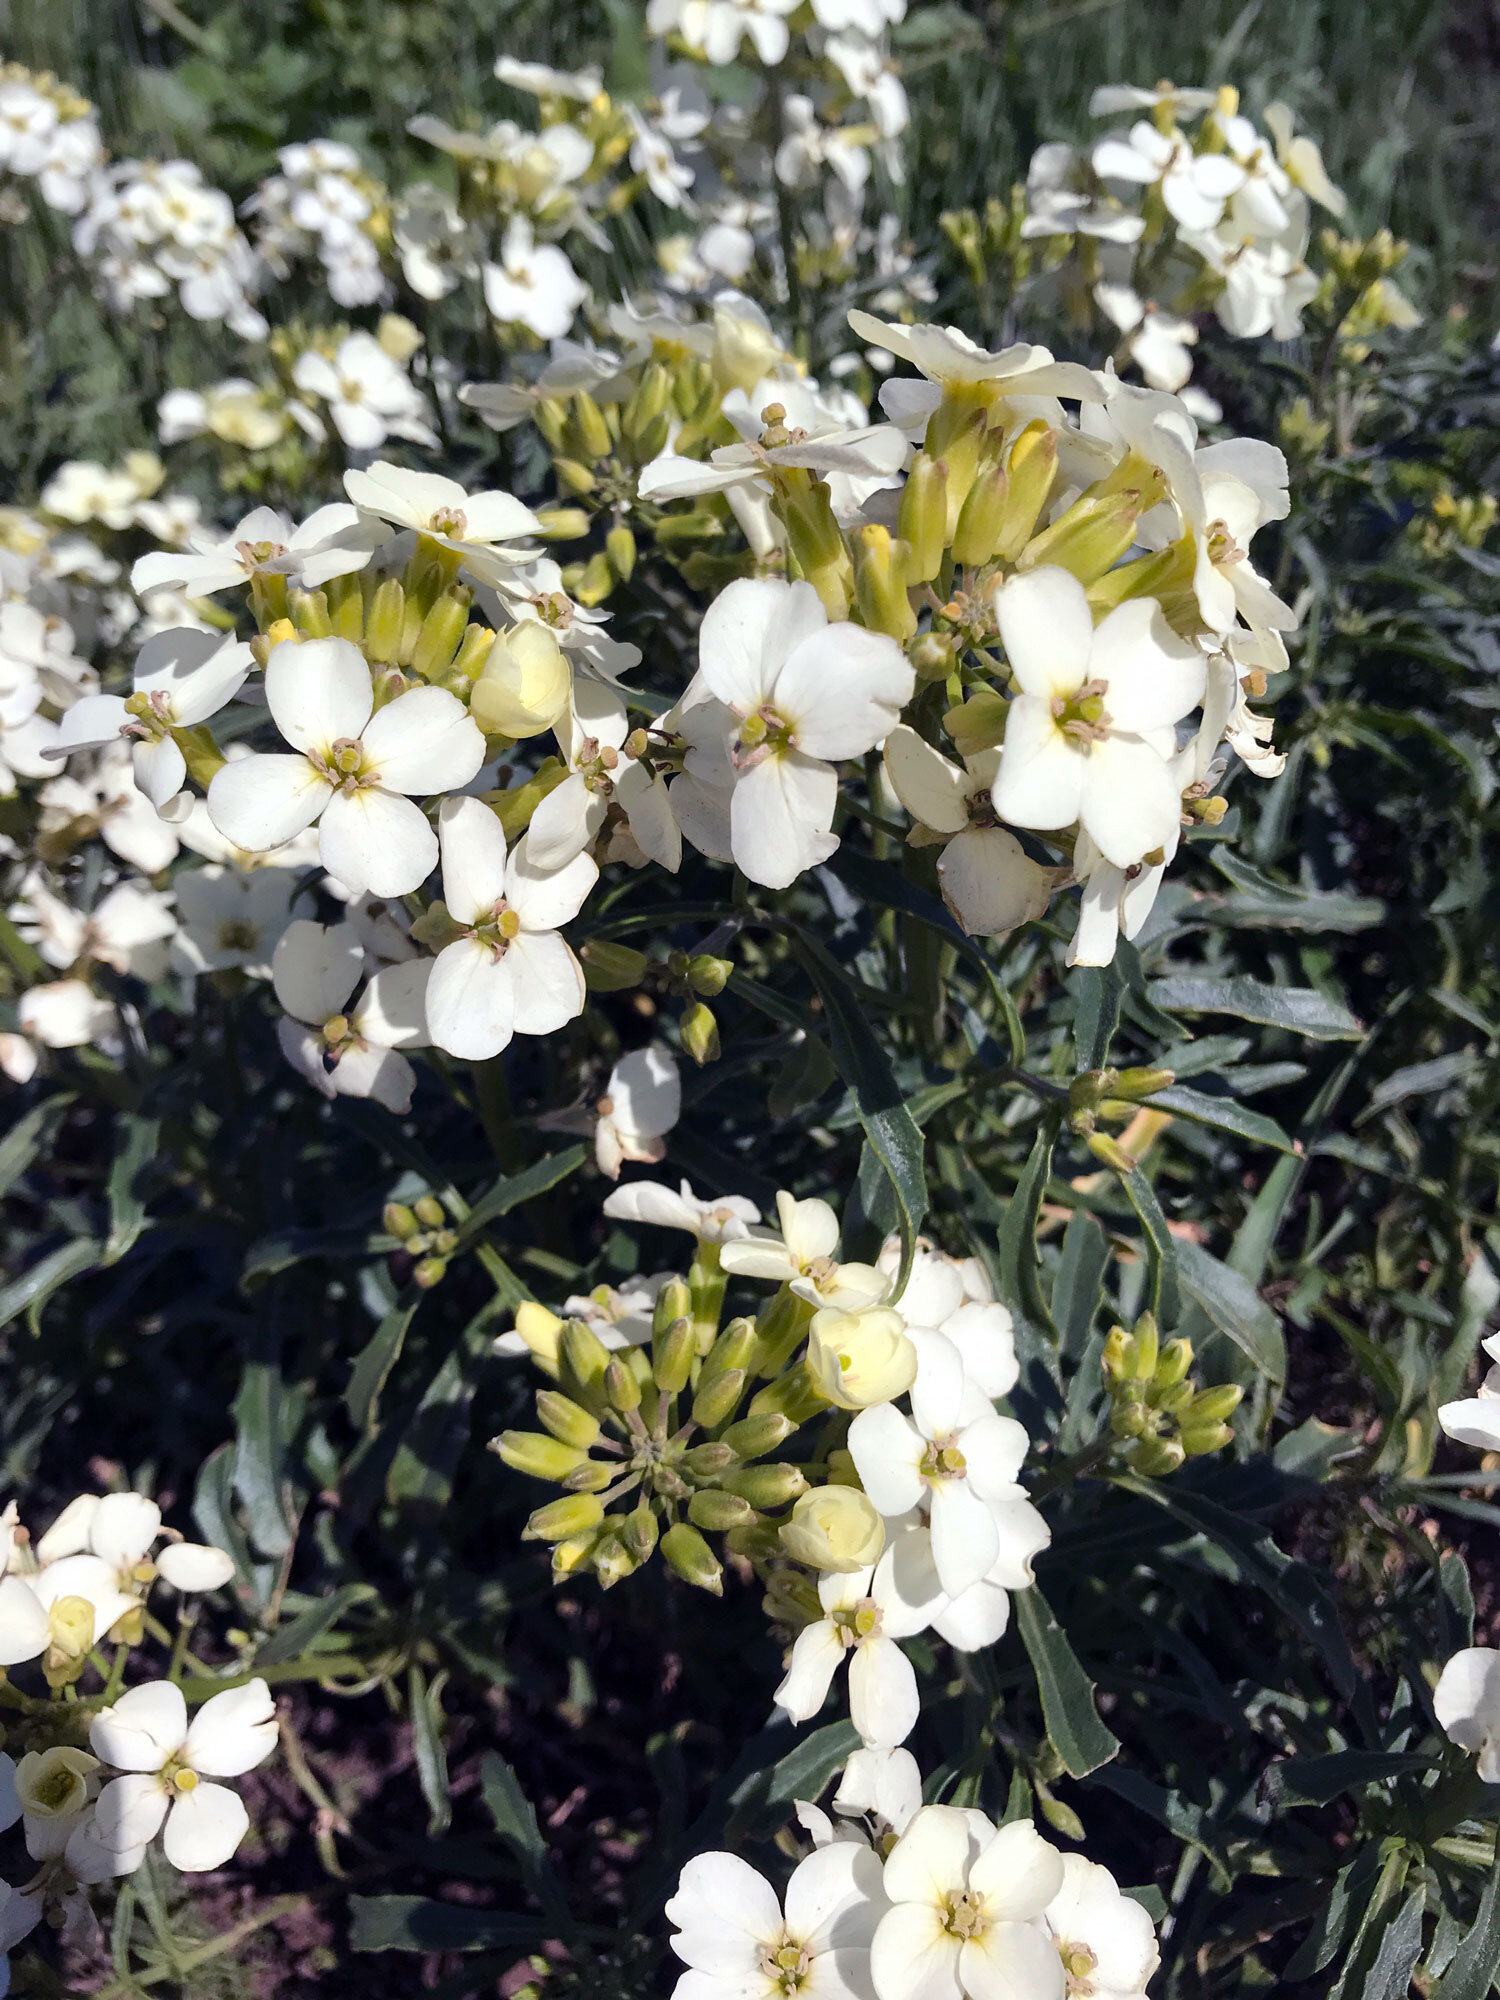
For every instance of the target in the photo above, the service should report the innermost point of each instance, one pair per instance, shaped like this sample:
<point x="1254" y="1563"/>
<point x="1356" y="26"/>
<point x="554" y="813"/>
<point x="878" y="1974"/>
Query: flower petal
<point x="315" y="968"/>
<point x="1047" y="630"/>
<point x="471" y="1001"/>
<point x="260" y="802"/>
<point x="233" y="1732"/>
<point x="473" y="849"/>
<point x="424" y="741"/>
<point x="318" y="691"/>
<point x="204" y="1828"/>
<point x="146" y="1726"/>
<point x="376" y="840"/>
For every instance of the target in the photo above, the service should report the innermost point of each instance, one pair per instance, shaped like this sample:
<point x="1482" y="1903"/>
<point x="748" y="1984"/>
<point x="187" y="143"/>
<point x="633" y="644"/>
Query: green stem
<point x="492" y="1095"/>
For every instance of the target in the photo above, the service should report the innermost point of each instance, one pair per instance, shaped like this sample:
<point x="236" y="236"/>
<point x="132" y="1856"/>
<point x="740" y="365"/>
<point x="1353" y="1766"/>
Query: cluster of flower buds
<point x="1165" y="1416"/>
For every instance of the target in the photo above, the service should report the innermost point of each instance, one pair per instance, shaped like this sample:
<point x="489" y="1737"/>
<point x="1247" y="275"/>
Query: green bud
<point x="429" y="1272"/>
<point x="613" y="1561"/>
<point x="1129" y="1418"/>
<point x="573" y="477"/>
<point x="638" y="1531"/>
<point x="1119" y="1357"/>
<point x="652" y="439"/>
<point x="441" y="633"/>
<point x="652" y="394"/>
<point x="1089" y="538"/>
<point x="560" y="1520"/>
<point x="718" y="1399"/>
<point x="592" y="1476"/>
<point x="539" y="1457"/>
<point x="692" y="1558"/>
<point x="550" y="417"/>
<point x="767" y="1486"/>
<point x="1212" y="1406"/>
<point x="753" y="1437"/>
<point x="1174" y="1400"/>
<point x="731" y="1350"/>
<point x="1030" y="474"/>
<point x="1156" y="1458"/>
<point x="474" y="649"/>
<point x="954" y="432"/>
<point x="781" y="1329"/>
<point x="562" y="524"/>
<point x="934" y="655"/>
<point x="346" y="608"/>
<point x="981" y="519"/>
<point x="611" y="968"/>
<point x="674" y="1301"/>
<point x="309" y="609"/>
<point x="619" y="546"/>
<point x="582" y="1360"/>
<point x="429" y="1211"/>
<point x="696" y="526"/>
<point x="1175" y="1360"/>
<point x="923" y="520"/>
<point x="1198" y="1440"/>
<point x="399" y="1220"/>
<point x="709" y="976"/>
<point x="700" y="1033"/>
<point x="1147" y="1345"/>
<point x="717" y="1511"/>
<point x="566" y="1419"/>
<point x="879" y="585"/>
<point x="383" y="625"/>
<point x="793" y="1395"/>
<point x="707" y="1461"/>
<point x="621" y="1387"/>
<point x="674" y="1352"/>
<point x="1057" y="1815"/>
<point x="791" y="1596"/>
<point x="589" y="430"/>
<point x="1138" y="1083"/>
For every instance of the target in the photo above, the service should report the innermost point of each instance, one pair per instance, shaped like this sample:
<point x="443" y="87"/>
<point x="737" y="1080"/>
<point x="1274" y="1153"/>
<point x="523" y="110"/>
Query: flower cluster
<point x="49" y="139"/>
<point x="324" y="205"/>
<point x="152" y="226"/>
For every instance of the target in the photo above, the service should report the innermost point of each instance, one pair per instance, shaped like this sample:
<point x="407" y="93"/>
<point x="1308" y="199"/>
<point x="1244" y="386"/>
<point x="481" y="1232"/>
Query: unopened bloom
<point x="509" y="973"/>
<point x="858" y="1359"/>
<point x="862" y="1619"/>
<point x="1089" y="735"/>
<point x="834" y="1528"/>
<point x="732" y="1933"/>
<point x="807" y="694"/>
<point x="966" y="1903"/>
<point x="355" y="769"/>
<point x="146" y="1734"/>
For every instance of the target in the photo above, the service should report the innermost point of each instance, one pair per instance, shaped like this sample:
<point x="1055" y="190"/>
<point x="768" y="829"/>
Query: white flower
<point x="988" y="880"/>
<point x="1062" y="199"/>
<point x="1112" y="98"/>
<point x="231" y="918"/>
<point x="966" y="1908"/>
<point x="582" y="85"/>
<point x="721" y="1221"/>
<point x="1466" y="1702"/>
<point x="354" y="769"/>
<point x="331" y="542"/>
<point x="63" y="1014"/>
<point x="1475" y="1419"/>
<point x="479" y="527"/>
<point x="1089" y="736"/>
<point x="810" y="148"/>
<point x="865" y="17"/>
<point x="715" y="28"/>
<point x="886" y="1784"/>
<point x="369" y="395"/>
<point x="182" y="678"/>
<point x="63" y="1610"/>
<point x="732" y="1934"/>
<point x="1106" y="1942"/>
<point x="601" y="774"/>
<point x="862" y="1619"/>
<point x="1159" y="343"/>
<point x="1194" y="186"/>
<point x="314" y="971"/>
<point x="82" y="490"/>
<point x="533" y="285"/>
<point x="121" y="1529"/>
<point x="147" y="1734"/>
<point x="127" y="929"/>
<point x="944" y="354"/>
<point x="652" y="155"/>
<point x="962" y="1466"/>
<point x="807" y="694"/>
<point x="641" y="1103"/>
<point x="510" y="973"/>
<point x="801" y="1254"/>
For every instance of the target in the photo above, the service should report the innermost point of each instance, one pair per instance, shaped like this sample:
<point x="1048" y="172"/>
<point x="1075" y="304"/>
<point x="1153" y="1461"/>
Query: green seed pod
<point x="565" y="1419"/>
<point x="692" y="1558"/>
<point x="674" y="1353"/>
<point x="717" y="1511"/>
<point x="717" y="1400"/>
<point x="538" y="1456"/>
<point x="753" y="1437"/>
<point x="560" y="1520"/>
<point x="767" y="1487"/>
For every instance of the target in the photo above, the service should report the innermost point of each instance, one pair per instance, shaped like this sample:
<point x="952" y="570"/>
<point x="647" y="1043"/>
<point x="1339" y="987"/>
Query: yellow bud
<point x="923" y="521"/>
<point x="619" y="546"/>
<point x="982" y="518"/>
<point x="1147" y="1345"/>
<point x="878" y="587"/>
<point x="597" y="581"/>
<point x="573" y="477"/>
<point x="582" y="1360"/>
<point x="638" y="1531"/>
<point x="397" y="336"/>
<point x="1212" y="1406"/>
<point x="538" y="1456"/>
<point x="562" y="1520"/>
<point x="54" y="1784"/>
<point x="1031" y="473"/>
<point x="717" y="1511"/>
<point x="860" y="1358"/>
<point x="700" y="1033"/>
<point x="834" y="1528"/>
<point x="562" y="524"/>
<point x="589" y="428"/>
<point x="539" y="1329"/>
<point x="566" y="1420"/>
<point x="1089" y="538"/>
<point x="384" y="623"/>
<point x="441" y="633"/>
<point x="525" y="684"/>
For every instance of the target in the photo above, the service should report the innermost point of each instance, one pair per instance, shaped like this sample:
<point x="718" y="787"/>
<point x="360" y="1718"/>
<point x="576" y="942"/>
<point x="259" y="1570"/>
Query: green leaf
<point x="893" y="1134"/>
<point x="27" y="1137"/>
<point x="762" y="1802"/>
<point x="1161" y="1246"/>
<point x="1421" y="1079"/>
<point x="419" y="1923"/>
<point x="260" y="1477"/>
<point x="1477" y="1960"/>
<point x="1016" y="1268"/>
<point x="1313" y="1781"/>
<point x="513" y="1813"/>
<point x="1222" y="1114"/>
<point x="374" y="1362"/>
<point x="513" y="1189"/>
<point x="1075" y="1289"/>
<point x="425" y="1704"/>
<point x="301" y="1634"/>
<point x="1389" y="1978"/>
<point x="31" y="1291"/>
<point x="136" y="1146"/>
<point x="1074" y="1727"/>
<point x="1301" y="1009"/>
<point x="422" y="1471"/>
<point x="1235" y="1307"/>
<point x="1260" y="903"/>
<point x="1099" y="994"/>
<point x="289" y="1247"/>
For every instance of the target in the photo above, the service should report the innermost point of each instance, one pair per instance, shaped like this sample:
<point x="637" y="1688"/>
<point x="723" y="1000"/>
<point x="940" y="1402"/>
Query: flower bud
<point x="596" y="582"/>
<point x="638" y="1531"/>
<point x="879" y="588"/>
<point x="718" y="1399"/>
<point x="1089" y="538"/>
<point x="562" y="524"/>
<point x="550" y="417"/>
<point x="309" y="609"/>
<point x="781" y="1329"/>
<point x="1175" y="1360"/>
<point x="474" y="649"/>
<point x="707" y="975"/>
<point x="1118" y="1358"/>
<point x="674" y="1301"/>
<point x="834" y="1528"/>
<point x="1111" y="1152"/>
<point x="54" y="1784"/>
<point x="561" y="1520"/>
<point x="733" y="1349"/>
<point x="566" y="1420"/>
<point x="571" y="1554"/>
<point x="429" y="1211"/>
<point x="652" y="394"/>
<point x="612" y="1561"/>
<point x="1198" y="1440"/>
<point x="346" y="607"/>
<point x="428" y="1272"/>
<point x="1147" y="1345"/>
<point x="538" y="1456"/>
<point x="717" y="1511"/>
<point x="753" y="1437"/>
<point x="1155" y="1457"/>
<point x="611" y="968"/>
<point x="1129" y="1417"/>
<point x="588" y="430"/>
<point x="441" y="633"/>
<point x="540" y="1329"/>
<point x="619" y="546"/>
<point x="1030" y="474"/>
<point x="674" y="1352"/>
<point x="525" y="684"/>
<point x="767" y="1487"/>
<point x="573" y="477"/>
<point x="856" y="1359"/>
<point x="707" y="1461"/>
<point x="923" y="520"/>
<point x="695" y="526"/>
<point x="621" y="1387"/>
<point x="796" y="1395"/>
<point x="1212" y="1406"/>
<point x="700" y="1033"/>
<point x="398" y="1220"/>
<point x="582" y="1360"/>
<point x="383" y="624"/>
<point x="791" y="1598"/>
<point x="954" y="432"/>
<point x="692" y="1558"/>
<point x="981" y="519"/>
